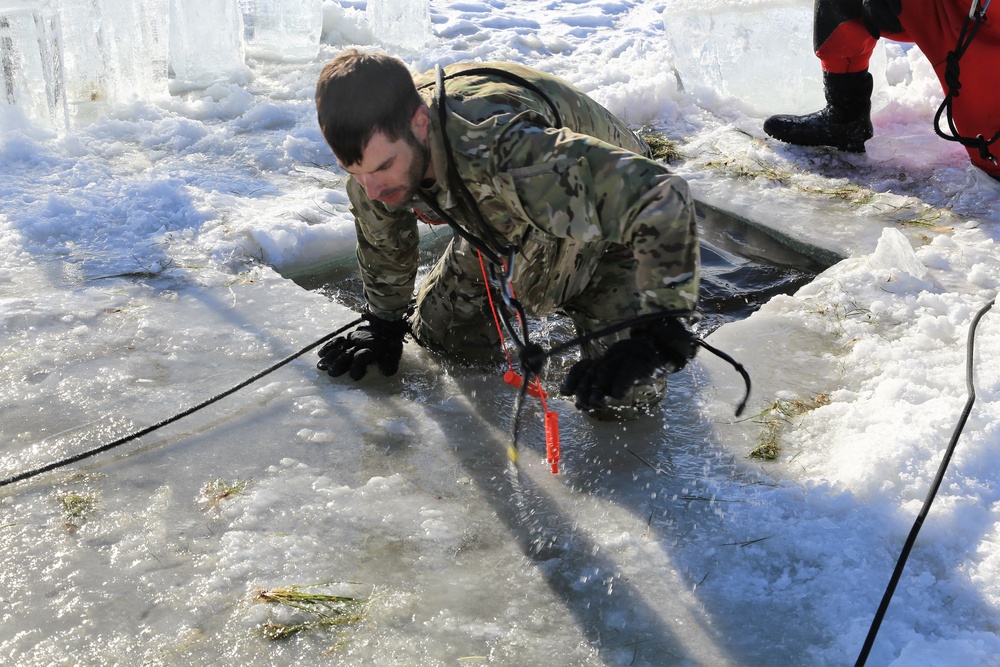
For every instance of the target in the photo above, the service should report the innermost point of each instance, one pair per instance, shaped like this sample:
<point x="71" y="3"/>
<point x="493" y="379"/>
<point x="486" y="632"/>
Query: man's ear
<point x="420" y="123"/>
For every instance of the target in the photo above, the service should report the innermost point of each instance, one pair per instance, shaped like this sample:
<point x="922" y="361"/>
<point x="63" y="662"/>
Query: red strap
<point x="513" y="378"/>
<point x="493" y="309"/>
<point x="429" y="221"/>
<point x="552" y="449"/>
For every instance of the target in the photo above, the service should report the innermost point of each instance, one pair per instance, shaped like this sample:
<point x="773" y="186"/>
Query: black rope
<point x="532" y="358"/>
<point x="469" y="237"/>
<point x="454" y="177"/>
<point x="908" y="545"/>
<point x="138" y="434"/>
<point x="515" y="419"/>
<point x="489" y="248"/>
<point x="511" y="77"/>
<point x="951" y="76"/>
<point x="739" y="369"/>
<point x="652" y="317"/>
<point x="620" y="326"/>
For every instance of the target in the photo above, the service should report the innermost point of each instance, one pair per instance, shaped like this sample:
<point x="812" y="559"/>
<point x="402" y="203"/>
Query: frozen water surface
<point x="151" y="260"/>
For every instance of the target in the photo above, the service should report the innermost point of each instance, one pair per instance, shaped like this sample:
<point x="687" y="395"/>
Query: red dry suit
<point x="843" y="44"/>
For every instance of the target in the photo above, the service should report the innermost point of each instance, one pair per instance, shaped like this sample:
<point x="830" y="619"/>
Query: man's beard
<point x="418" y="167"/>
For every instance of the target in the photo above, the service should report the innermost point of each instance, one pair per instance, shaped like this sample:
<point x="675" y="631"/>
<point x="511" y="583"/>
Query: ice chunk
<point x="760" y="51"/>
<point x="68" y="59"/>
<point x="137" y="35"/>
<point x="113" y="50"/>
<point x="206" y="44"/>
<point x="31" y="65"/>
<point x="283" y="30"/>
<point x="404" y="24"/>
<point x="895" y="252"/>
<point x="86" y="54"/>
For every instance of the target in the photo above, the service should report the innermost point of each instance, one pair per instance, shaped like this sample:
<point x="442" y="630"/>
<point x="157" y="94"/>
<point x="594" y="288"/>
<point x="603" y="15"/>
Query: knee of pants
<point x="456" y="326"/>
<point x="848" y="48"/>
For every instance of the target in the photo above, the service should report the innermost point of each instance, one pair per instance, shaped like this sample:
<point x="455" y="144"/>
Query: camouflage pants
<point x="453" y="313"/>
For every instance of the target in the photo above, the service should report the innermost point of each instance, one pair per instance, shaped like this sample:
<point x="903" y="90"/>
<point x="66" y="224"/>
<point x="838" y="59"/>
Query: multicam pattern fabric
<point x="603" y="232"/>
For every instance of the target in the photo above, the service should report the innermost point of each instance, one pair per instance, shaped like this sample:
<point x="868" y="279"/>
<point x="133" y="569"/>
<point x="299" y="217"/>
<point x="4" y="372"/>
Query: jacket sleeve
<point x="387" y="250"/>
<point x="572" y="185"/>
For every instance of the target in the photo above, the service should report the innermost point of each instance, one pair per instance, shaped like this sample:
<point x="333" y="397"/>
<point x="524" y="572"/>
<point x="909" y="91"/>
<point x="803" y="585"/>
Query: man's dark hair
<point x="359" y="94"/>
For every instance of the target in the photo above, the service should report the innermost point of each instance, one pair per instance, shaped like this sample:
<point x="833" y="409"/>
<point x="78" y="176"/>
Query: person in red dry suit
<point x="845" y="33"/>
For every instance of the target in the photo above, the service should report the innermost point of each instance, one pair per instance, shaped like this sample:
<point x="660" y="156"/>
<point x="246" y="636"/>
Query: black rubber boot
<point x="845" y="123"/>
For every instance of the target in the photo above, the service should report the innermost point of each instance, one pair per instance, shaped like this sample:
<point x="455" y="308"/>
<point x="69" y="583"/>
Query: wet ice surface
<point x="399" y="486"/>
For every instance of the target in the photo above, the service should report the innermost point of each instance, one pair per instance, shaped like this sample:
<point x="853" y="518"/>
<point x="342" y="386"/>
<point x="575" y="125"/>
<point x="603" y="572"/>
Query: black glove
<point x="377" y="341"/>
<point x="661" y="346"/>
<point x="882" y="16"/>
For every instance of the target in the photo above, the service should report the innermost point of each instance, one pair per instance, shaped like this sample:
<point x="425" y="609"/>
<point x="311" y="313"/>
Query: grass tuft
<point x="775" y="418"/>
<point x="213" y="493"/>
<point x="323" y="611"/>
<point x="664" y="149"/>
<point x="752" y="168"/>
<point x="855" y="194"/>
<point x="932" y="219"/>
<point x="77" y="508"/>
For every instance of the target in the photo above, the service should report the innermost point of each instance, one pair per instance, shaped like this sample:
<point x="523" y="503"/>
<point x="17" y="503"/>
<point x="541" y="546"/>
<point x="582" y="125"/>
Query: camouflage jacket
<point x="561" y="193"/>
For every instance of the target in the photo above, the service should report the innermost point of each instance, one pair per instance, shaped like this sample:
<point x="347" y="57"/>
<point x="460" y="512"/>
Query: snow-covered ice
<point x="149" y="264"/>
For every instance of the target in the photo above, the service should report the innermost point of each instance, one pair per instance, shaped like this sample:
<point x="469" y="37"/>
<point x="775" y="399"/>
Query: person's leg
<point x="611" y="297"/>
<point x="844" y="48"/>
<point x="840" y="39"/>
<point x="452" y="313"/>
<point x="935" y="28"/>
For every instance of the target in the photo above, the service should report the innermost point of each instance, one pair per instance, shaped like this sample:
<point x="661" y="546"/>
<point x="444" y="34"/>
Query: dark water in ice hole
<point x="742" y="268"/>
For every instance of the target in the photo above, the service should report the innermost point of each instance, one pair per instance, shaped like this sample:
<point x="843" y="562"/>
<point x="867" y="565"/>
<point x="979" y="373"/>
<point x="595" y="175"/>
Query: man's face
<point x="391" y="171"/>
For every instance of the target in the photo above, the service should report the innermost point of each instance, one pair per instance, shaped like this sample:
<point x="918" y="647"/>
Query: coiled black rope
<point x="908" y="545"/>
<point x="953" y="83"/>
<point x="149" y="429"/>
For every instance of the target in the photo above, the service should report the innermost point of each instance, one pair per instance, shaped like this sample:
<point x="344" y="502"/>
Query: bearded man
<point x="535" y="178"/>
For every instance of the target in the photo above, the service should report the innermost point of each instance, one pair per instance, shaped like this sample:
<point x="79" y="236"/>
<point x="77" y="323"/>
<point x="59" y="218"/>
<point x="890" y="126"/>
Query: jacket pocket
<point x="558" y="256"/>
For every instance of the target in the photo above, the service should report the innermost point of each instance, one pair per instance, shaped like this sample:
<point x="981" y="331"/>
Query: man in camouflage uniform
<point x="518" y="159"/>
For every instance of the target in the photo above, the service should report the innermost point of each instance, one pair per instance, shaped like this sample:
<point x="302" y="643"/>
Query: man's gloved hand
<point x="660" y="346"/>
<point x="882" y="16"/>
<point x="377" y="341"/>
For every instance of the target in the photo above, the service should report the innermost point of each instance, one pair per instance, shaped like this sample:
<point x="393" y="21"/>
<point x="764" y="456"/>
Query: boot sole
<point x="783" y="128"/>
<point x="846" y="148"/>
